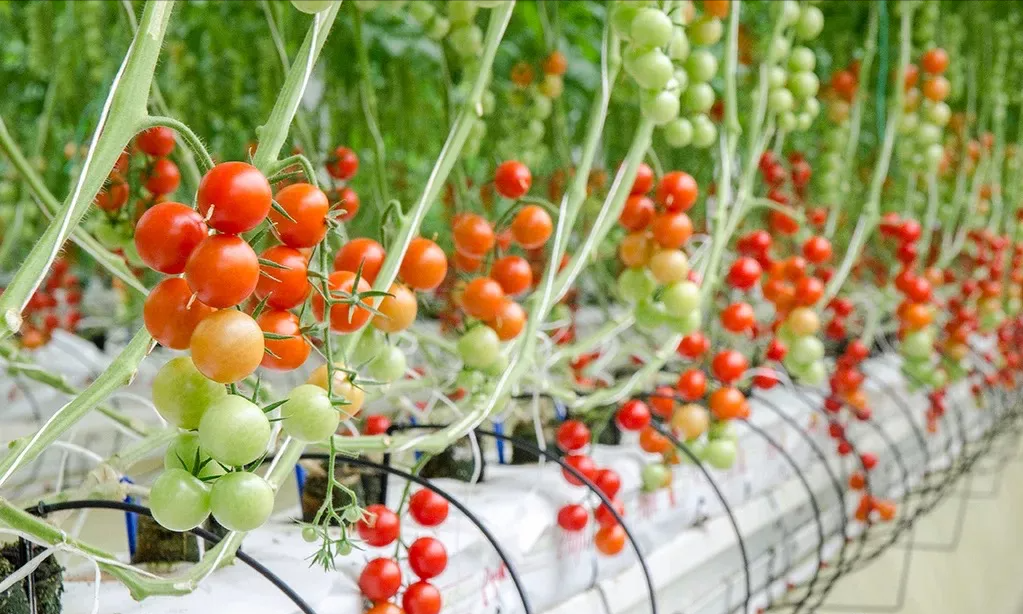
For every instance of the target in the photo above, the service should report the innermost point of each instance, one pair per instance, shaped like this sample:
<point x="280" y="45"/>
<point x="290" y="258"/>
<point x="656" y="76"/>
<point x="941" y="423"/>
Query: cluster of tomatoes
<point x="926" y="119"/>
<point x="785" y="186"/>
<point x="160" y="176"/>
<point x="656" y="277"/>
<point x="54" y="306"/>
<point x="381" y="578"/>
<point x="573" y="438"/>
<point x="489" y="300"/>
<point x="342" y="165"/>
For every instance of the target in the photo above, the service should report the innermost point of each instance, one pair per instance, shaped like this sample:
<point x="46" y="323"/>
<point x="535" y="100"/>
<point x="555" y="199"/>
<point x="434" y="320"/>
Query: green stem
<point x="12" y="233"/>
<point x="192" y="141"/>
<point x="299" y="159"/>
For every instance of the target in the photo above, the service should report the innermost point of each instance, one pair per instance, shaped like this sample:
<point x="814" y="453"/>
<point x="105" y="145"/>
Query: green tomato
<point x="461" y="11"/>
<point x="498" y="366"/>
<point x="781" y="101"/>
<point x="720" y="453"/>
<point x="312" y="6"/>
<point x="938" y="378"/>
<point x="812" y="106"/>
<point x="776" y="78"/>
<point x="778" y="50"/>
<point x="308" y="414"/>
<point x="622" y="17"/>
<point x="422" y="11"/>
<point x="179" y="501"/>
<point x="542" y="107"/>
<point x="241" y="501"/>
<point x="653" y="476"/>
<point x="649" y="67"/>
<point x="661" y="107"/>
<point x="918" y="344"/>
<point x="810" y="24"/>
<point x="678" y="48"/>
<point x="706" y="30"/>
<point x="699" y="98"/>
<point x="635" y="284"/>
<point x="803" y="85"/>
<point x="389" y="365"/>
<point x="933" y="155"/>
<point x="367" y="348"/>
<point x="466" y="40"/>
<point x="678" y="133"/>
<point x="804" y="121"/>
<point x="814" y="373"/>
<point x="705" y="133"/>
<point x="722" y="430"/>
<point x="438" y="27"/>
<point x="479" y="347"/>
<point x="701" y="66"/>
<point x="234" y="431"/>
<point x="185" y="451"/>
<point x="802" y="59"/>
<point x="182" y="395"/>
<point x="806" y="349"/>
<point x="928" y="134"/>
<point x="787" y="121"/>
<point x="938" y="113"/>
<point x="789" y="12"/>
<point x="686" y="324"/>
<point x="681" y="298"/>
<point x="651" y="27"/>
<point x="649" y="315"/>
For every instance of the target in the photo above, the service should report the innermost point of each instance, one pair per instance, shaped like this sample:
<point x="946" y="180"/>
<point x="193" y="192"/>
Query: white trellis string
<point x="127" y="394"/>
<point x="26" y="569"/>
<point x="97" y="584"/>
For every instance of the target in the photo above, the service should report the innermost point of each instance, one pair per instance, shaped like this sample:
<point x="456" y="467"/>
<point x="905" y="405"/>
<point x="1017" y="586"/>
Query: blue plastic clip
<point x="131" y="521"/>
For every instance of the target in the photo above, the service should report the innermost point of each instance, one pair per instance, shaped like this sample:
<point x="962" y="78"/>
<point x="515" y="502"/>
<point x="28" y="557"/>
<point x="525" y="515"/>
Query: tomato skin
<point x="380" y="527"/>
<point x="677" y="191"/>
<point x="603" y="514"/>
<point x="729" y="365"/>
<point x="672" y="230"/>
<point x="581" y="463"/>
<point x="179" y="501"/>
<point x="634" y="415"/>
<point x="427" y="557"/>
<point x="555" y="64"/>
<point x="532" y="227"/>
<point x="421" y="598"/>
<point x="744" y="273"/>
<point x="363" y="252"/>
<point x="727" y="403"/>
<point x="380" y="579"/>
<point x="344" y="317"/>
<point x="482" y="298"/>
<point x="610" y="540"/>
<point x="427" y="507"/>
<point x="512" y="179"/>
<point x="238" y="193"/>
<point x="509" y="320"/>
<point x="168" y="316"/>
<point x="164" y="177"/>
<point x="398" y="311"/>
<point x="283" y="288"/>
<point x="308" y="206"/>
<point x="572" y="436"/>
<point x="513" y="273"/>
<point x="348" y="201"/>
<point x="166" y="234"/>
<point x="241" y="501"/>
<point x="424" y="265"/>
<point x="573" y="518"/>
<point x="608" y="482"/>
<point x="223" y="271"/>
<point x="290" y="353"/>
<point x="113" y="195"/>
<point x="343" y="164"/>
<point x="157" y="141"/>
<point x="473" y="235"/>
<point x="692" y="384"/>
<point x="227" y="346"/>
<point x="935" y="61"/>
<point x="637" y="214"/>
<point x="644" y="179"/>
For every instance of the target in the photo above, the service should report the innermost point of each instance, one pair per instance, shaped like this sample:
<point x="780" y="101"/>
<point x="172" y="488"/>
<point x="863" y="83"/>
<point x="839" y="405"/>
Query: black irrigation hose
<point x="605" y="500"/>
<point x="44" y="509"/>
<point x="450" y="499"/>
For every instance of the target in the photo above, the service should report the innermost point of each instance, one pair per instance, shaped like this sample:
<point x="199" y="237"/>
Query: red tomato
<point x="473" y="235"/>
<point x="113" y="195"/>
<point x="380" y="579"/>
<point x="482" y="297"/>
<point x="509" y="320"/>
<point x="633" y="415"/>
<point x="163" y="178"/>
<point x="166" y="234"/>
<point x="744" y="273"/>
<point x="729" y="365"/>
<point x="572" y="436"/>
<point x="348" y="201"/>
<point x="738" y="317"/>
<point x="427" y="557"/>
<point x="610" y="540"/>
<point x="581" y="463"/>
<point x="344" y="317"/>
<point x="608" y="482"/>
<point x="238" y="194"/>
<point x="379" y="527"/>
<point x="171" y="314"/>
<point x="307" y="205"/>
<point x="363" y="252"/>
<point x="532" y="227"/>
<point x="223" y="271"/>
<point x="692" y="384"/>
<point x="283" y="354"/>
<point x="644" y="179"/>
<point x="286" y="284"/>
<point x="727" y="403"/>
<point x="662" y="401"/>
<point x="693" y="346"/>
<point x="342" y="164"/>
<point x="934" y="61"/>
<point x="677" y="191"/>
<point x="603" y="514"/>
<point x="637" y="214"/>
<point x="157" y="141"/>
<point x="817" y="250"/>
<point x="573" y="518"/>
<point x="512" y="179"/>
<point x="672" y="230"/>
<point x="420" y="598"/>
<point x="809" y="290"/>
<point x="427" y="507"/>
<point x="424" y="265"/>
<point x="513" y="273"/>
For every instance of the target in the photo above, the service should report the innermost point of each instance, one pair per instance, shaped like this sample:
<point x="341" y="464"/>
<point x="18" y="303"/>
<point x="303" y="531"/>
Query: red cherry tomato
<point x="307" y="205"/>
<point x="729" y="365"/>
<point x="427" y="557"/>
<point x="573" y="518"/>
<point x="285" y="285"/>
<point x="572" y="436"/>
<point x="677" y="191"/>
<point x="157" y="141"/>
<point x="608" y="482"/>
<point x="283" y="354"/>
<point x="427" y="507"/>
<point x="171" y="314"/>
<point x="380" y="579"/>
<point x="532" y="227"/>
<point x="424" y="265"/>
<point x="361" y="252"/>
<point x="512" y="179"/>
<point x="164" y="177"/>
<point x="420" y="598"/>
<point x="513" y="273"/>
<point x="223" y="271"/>
<point x="348" y="201"/>
<point x="581" y="463"/>
<point x="482" y="297"/>
<point x="379" y="527"/>
<point x="239" y="195"/>
<point x="473" y="235"/>
<point x="633" y="415"/>
<point x="342" y="164"/>
<point x="344" y="317"/>
<point x="644" y="179"/>
<point x="166" y="234"/>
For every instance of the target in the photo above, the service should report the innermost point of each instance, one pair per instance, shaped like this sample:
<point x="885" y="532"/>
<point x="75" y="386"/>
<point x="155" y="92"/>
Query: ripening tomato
<point x="397" y="311"/>
<point x="509" y="320"/>
<point x="223" y="271"/>
<point x="650" y="440"/>
<point x="610" y="540"/>
<point x="424" y="265"/>
<point x="345" y="317"/>
<point x="637" y="214"/>
<point x="379" y="526"/>
<point x="171" y="314"/>
<point x="934" y="61"/>
<point x="427" y="507"/>
<point x="513" y="273"/>
<point x="238" y="194"/>
<point x="677" y="191"/>
<point x="284" y="285"/>
<point x="644" y="180"/>
<point x="157" y="141"/>
<point x="166" y="234"/>
<point x="716" y="8"/>
<point x="572" y="436"/>
<point x="672" y="230"/>
<point x="482" y="297"/>
<point x="380" y="579"/>
<point x="635" y="249"/>
<point x="532" y="227"/>
<point x="473" y="235"/>
<point x="727" y="403"/>
<point x="936" y="88"/>
<point x="662" y="401"/>
<point x="342" y="164"/>
<point x="164" y="177"/>
<point x="113" y="195"/>
<point x="227" y="346"/>
<point x="692" y="384"/>
<point x="738" y="317"/>
<point x="555" y="64"/>
<point x="361" y="252"/>
<point x="307" y="205"/>
<point x="512" y="179"/>
<point x="348" y="203"/>
<point x="283" y="354"/>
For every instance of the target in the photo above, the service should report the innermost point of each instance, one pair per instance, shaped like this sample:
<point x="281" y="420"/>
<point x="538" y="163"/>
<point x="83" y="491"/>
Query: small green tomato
<point x="308" y="414"/>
